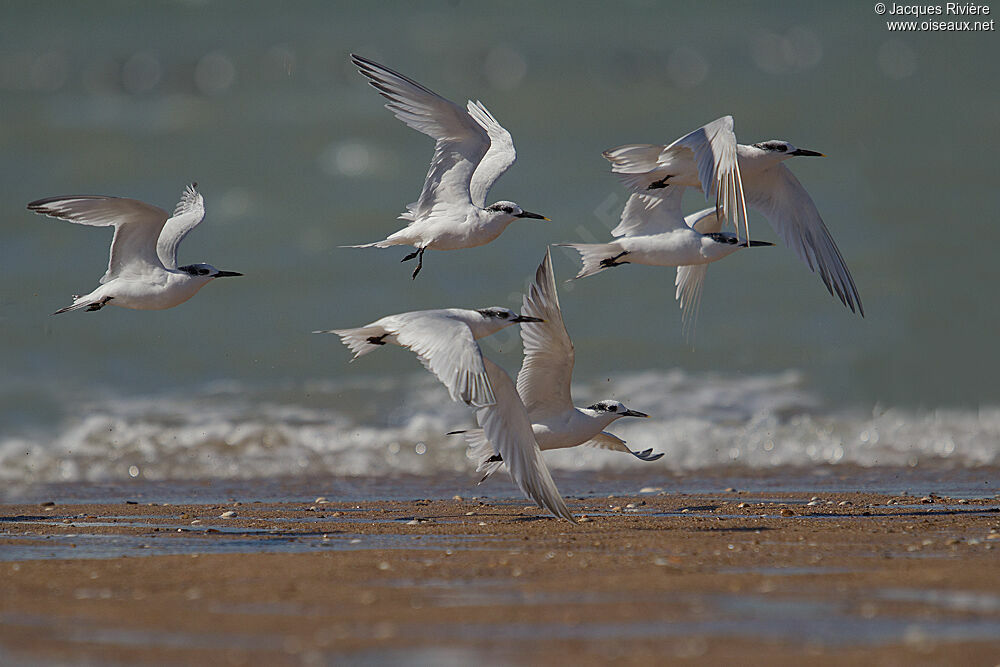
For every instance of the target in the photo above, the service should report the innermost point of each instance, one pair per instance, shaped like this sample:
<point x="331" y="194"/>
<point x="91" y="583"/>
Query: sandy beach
<point x="733" y="576"/>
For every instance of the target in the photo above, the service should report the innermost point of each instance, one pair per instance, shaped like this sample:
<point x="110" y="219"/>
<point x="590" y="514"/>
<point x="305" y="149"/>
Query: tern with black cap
<point x="471" y="151"/>
<point x="142" y="271"/>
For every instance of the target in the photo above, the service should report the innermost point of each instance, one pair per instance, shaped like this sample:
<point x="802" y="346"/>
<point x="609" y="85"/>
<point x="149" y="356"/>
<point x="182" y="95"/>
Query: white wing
<point x="507" y="426"/>
<point x="498" y="158"/>
<point x="137" y="226"/>
<point x="710" y="151"/>
<point x="447" y="349"/>
<point x="714" y="149"/>
<point x="652" y="213"/>
<point x="605" y="440"/>
<point x="190" y="211"/>
<point x="461" y="141"/>
<point x="690" y="279"/>
<point x="543" y="382"/>
<point x="777" y="194"/>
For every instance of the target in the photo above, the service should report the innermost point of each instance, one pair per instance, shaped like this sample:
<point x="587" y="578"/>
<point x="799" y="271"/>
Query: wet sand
<point x="727" y="577"/>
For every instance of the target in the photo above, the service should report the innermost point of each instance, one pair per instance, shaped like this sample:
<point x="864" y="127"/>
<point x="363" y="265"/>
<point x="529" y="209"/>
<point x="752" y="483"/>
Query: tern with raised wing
<point x="542" y="405"/>
<point x="142" y="270"/>
<point x="445" y="342"/>
<point x="471" y="152"/>
<point x="740" y="175"/>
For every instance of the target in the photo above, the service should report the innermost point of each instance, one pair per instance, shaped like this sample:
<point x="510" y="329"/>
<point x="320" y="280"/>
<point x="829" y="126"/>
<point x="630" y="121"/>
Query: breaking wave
<point x="381" y="427"/>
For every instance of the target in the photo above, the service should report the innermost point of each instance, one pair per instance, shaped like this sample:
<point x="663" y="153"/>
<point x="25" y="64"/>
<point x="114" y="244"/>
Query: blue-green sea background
<point x="295" y="156"/>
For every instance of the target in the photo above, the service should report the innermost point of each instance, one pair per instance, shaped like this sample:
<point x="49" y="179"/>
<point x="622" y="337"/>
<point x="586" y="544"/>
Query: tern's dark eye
<point x="202" y="272"/>
<point x="502" y="315"/>
<point x="508" y="209"/>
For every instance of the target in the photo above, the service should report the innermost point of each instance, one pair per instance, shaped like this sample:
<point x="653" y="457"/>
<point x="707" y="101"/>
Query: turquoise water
<point x="295" y="156"/>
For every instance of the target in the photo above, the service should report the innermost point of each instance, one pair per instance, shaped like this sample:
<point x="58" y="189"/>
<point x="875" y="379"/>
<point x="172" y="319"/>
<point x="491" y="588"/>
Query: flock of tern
<point x="472" y="150"/>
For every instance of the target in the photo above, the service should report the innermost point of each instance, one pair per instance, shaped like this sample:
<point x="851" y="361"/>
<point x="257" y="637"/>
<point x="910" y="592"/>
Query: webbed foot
<point x="613" y="261"/>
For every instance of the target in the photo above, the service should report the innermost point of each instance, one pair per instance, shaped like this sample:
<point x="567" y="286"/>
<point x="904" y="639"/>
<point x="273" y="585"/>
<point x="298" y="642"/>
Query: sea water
<point x="296" y="156"/>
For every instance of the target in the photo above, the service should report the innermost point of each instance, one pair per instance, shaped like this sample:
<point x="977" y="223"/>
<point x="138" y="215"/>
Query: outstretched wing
<point x="507" y="426"/>
<point x="498" y="158"/>
<point x="190" y="211"/>
<point x="544" y="379"/>
<point x="461" y="141"/>
<point x="447" y="349"/>
<point x="652" y="213"/>
<point x="777" y="194"/>
<point x="137" y="226"/>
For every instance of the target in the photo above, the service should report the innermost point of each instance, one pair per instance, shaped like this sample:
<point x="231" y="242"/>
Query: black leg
<point x="377" y="340"/>
<point x="613" y="261"/>
<point x="100" y="304"/>
<point x="420" y="262"/>
<point x="410" y="256"/>
<point x="662" y="183"/>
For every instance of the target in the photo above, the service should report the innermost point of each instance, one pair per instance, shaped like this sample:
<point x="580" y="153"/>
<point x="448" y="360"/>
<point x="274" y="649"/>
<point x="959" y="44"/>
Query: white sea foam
<point x="378" y="427"/>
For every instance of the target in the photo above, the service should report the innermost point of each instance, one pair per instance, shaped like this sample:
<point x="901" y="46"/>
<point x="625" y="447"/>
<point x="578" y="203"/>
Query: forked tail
<point x="595" y="257"/>
<point x="481" y="451"/>
<point x="637" y="165"/>
<point x="360" y="341"/>
<point x="83" y="302"/>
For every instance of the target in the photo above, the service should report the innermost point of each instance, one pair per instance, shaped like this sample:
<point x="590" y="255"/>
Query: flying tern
<point x="142" y="271"/>
<point x="710" y="159"/>
<point x="653" y="231"/>
<point x="445" y="342"/>
<point x="471" y="152"/>
<point x="542" y="401"/>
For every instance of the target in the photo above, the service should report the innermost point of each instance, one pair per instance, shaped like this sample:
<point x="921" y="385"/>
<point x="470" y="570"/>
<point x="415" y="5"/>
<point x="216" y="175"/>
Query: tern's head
<point x="206" y="271"/>
<point x="612" y="410"/>
<point x="782" y="150"/>
<point x="511" y="211"/>
<point x="493" y="319"/>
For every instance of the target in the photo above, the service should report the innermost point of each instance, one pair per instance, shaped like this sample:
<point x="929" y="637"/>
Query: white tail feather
<point x="591" y="255"/>
<point x="77" y="305"/>
<point x="636" y="165"/>
<point x="357" y="339"/>
<point x="376" y="244"/>
<point x="481" y="451"/>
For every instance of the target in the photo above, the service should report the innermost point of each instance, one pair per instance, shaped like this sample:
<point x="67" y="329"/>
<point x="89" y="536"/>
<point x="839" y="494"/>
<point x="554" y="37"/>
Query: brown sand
<point x="727" y="578"/>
